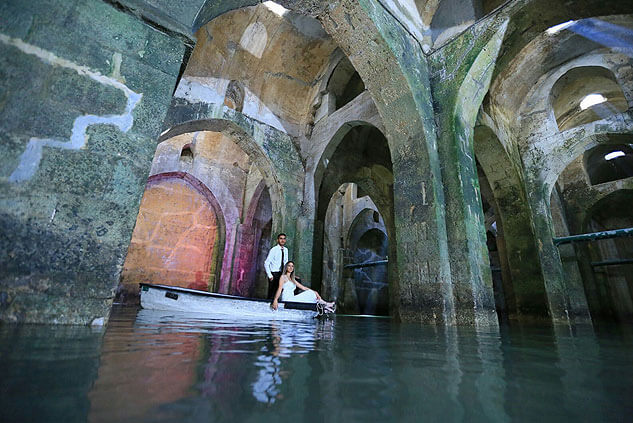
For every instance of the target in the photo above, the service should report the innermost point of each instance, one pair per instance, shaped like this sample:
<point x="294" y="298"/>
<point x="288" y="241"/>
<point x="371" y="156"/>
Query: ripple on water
<point x="149" y="366"/>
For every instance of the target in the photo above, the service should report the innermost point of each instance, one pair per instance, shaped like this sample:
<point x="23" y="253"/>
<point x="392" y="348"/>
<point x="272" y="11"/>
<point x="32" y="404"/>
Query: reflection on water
<point x="155" y="366"/>
<point x="286" y="339"/>
<point x="46" y="372"/>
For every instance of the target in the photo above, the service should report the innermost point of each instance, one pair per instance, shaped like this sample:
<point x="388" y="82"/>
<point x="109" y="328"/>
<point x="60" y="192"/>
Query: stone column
<point x="394" y="69"/>
<point x="551" y="265"/>
<point x="458" y="95"/>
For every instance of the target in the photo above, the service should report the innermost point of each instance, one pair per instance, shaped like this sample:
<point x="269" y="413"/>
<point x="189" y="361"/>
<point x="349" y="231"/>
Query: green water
<point x="159" y="367"/>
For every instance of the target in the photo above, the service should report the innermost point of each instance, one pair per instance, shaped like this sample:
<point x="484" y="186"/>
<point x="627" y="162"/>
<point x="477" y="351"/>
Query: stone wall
<point x="175" y="238"/>
<point x="84" y="91"/>
<point x="87" y="85"/>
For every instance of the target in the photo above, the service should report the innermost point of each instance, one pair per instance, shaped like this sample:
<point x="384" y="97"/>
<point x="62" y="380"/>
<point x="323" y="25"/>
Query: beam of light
<point x="614" y="154"/>
<point x="277" y="9"/>
<point x="605" y="33"/>
<point x="558" y="28"/>
<point x="591" y="100"/>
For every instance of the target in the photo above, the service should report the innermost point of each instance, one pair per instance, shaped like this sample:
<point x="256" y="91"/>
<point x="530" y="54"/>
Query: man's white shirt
<point x="273" y="261"/>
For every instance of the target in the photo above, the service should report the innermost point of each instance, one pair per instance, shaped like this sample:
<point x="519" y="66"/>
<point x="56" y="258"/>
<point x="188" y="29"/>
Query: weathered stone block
<point x="109" y="140"/>
<point x="15" y="22"/>
<point x="116" y="30"/>
<point x="39" y="117"/>
<point x="183" y="12"/>
<point x="80" y="50"/>
<point x="156" y="87"/>
<point x="73" y="171"/>
<point x="43" y="308"/>
<point x="163" y="53"/>
<point x="85" y="94"/>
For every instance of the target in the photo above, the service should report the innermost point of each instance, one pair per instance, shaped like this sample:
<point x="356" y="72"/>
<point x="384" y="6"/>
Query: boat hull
<point x="171" y="298"/>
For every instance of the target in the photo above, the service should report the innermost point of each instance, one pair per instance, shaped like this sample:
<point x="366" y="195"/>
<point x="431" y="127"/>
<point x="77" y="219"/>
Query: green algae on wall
<point x="425" y="291"/>
<point x="466" y="88"/>
<point x="82" y="132"/>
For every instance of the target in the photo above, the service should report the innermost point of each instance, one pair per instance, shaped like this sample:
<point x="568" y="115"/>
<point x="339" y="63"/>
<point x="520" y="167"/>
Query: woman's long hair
<point x="292" y="275"/>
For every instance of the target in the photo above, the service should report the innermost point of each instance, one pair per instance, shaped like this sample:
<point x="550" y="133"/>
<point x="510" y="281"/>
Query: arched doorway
<point x="369" y="252"/>
<point x="178" y="238"/>
<point x="355" y="198"/>
<point x="254" y="236"/>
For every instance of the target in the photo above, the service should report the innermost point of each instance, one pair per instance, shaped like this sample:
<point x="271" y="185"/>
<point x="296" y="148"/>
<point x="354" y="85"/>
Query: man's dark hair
<point x="282" y="234"/>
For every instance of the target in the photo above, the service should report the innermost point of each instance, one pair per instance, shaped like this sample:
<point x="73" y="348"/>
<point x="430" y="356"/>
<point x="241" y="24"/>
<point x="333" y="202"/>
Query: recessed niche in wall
<point x="186" y="155"/>
<point x="609" y="162"/>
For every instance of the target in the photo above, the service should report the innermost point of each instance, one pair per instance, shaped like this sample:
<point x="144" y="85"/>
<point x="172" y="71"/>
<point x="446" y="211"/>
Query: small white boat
<point x="174" y="298"/>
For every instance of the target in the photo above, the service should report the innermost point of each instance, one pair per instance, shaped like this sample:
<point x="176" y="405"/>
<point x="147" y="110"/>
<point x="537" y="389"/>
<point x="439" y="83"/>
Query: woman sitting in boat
<point x="287" y="285"/>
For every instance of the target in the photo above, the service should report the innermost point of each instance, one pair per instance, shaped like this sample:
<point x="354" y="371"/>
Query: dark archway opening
<point x="345" y="84"/>
<point x="610" y="162"/>
<point x="360" y="164"/>
<point x="370" y="282"/>
<point x="608" y="275"/>
<point x="495" y="243"/>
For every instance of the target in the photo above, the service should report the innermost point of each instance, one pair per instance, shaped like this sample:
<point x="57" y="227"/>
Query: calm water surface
<point x="159" y="367"/>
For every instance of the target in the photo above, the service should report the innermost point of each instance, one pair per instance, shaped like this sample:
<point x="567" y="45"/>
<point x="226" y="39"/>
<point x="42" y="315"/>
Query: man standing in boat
<point x="274" y="264"/>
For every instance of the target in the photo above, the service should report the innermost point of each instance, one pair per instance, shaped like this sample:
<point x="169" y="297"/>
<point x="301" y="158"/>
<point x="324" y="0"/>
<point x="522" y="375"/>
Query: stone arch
<point x="331" y="147"/>
<point x="395" y="73"/>
<point x="250" y="147"/>
<point x="350" y="241"/>
<point x="373" y="179"/>
<point x="211" y="198"/>
<point x="358" y="155"/>
<point x="567" y="152"/>
<point x="532" y="60"/>
<point x="237" y="234"/>
<point x="349" y="214"/>
<point x="157" y="254"/>
<point x="523" y="30"/>
<point x="344" y="83"/>
<point x="581" y="197"/>
<point x="525" y="293"/>
<point x="606" y="197"/>
<point x="607" y="163"/>
<point x="252" y="207"/>
<point x="562" y="275"/>
<point x="609" y="289"/>
<point x="570" y="90"/>
<point x="253" y="242"/>
<point x="371" y="282"/>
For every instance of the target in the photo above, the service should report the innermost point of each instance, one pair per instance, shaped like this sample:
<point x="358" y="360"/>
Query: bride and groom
<point x="282" y="281"/>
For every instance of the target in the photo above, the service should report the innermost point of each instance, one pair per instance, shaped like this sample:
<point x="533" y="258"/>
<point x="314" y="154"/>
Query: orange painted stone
<point x="173" y="239"/>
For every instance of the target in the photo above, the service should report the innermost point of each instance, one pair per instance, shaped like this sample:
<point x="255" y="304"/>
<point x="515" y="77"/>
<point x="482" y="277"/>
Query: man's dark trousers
<point x="273" y="285"/>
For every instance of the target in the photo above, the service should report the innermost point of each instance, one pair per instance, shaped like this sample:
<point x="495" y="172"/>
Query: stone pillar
<point x="458" y="96"/>
<point x="244" y="264"/>
<point x="395" y="72"/>
<point x="557" y="292"/>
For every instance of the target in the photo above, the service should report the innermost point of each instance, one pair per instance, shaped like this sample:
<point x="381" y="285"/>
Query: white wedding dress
<point x="288" y="294"/>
